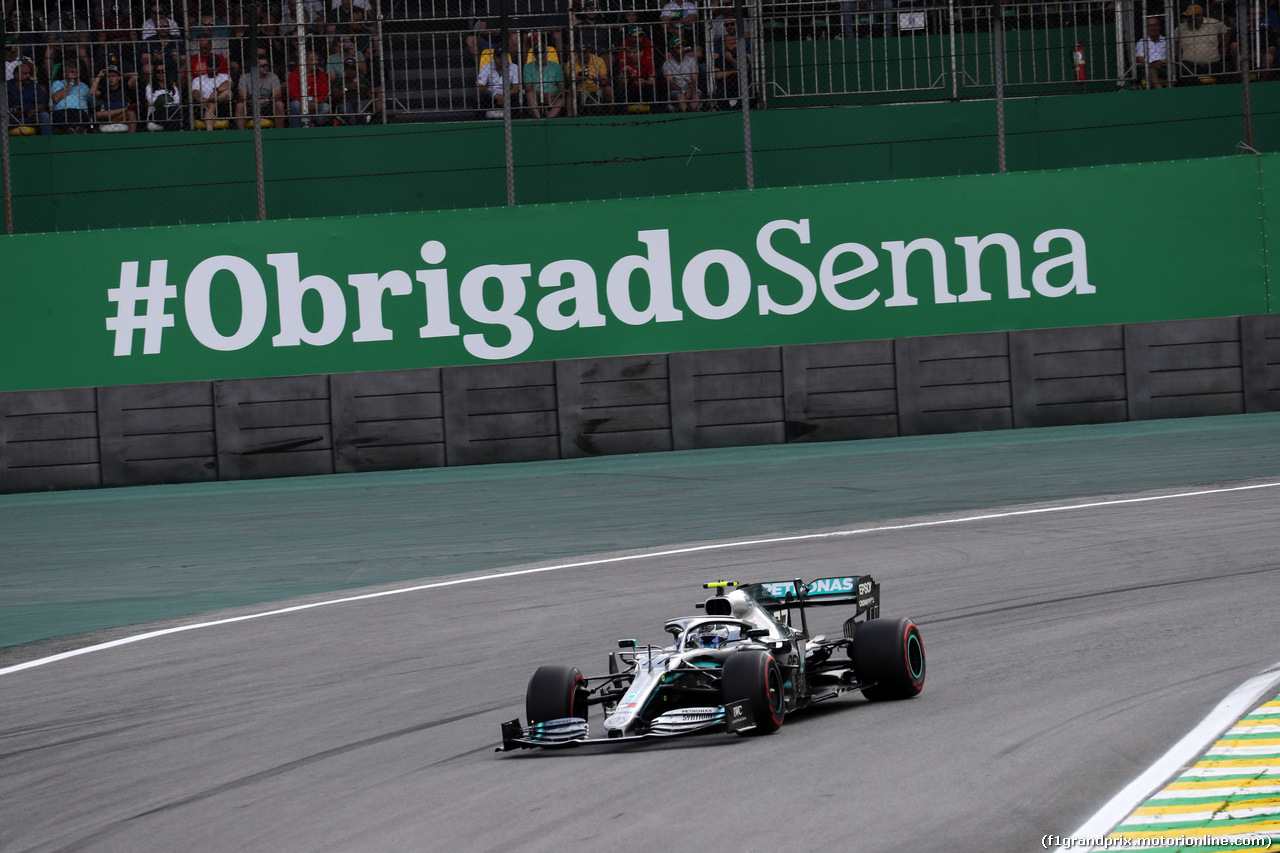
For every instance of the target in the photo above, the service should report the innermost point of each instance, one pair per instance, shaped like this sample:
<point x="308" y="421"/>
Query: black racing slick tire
<point x="757" y="678"/>
<point x="889" y="654"/>
<point x="556" y="692"/>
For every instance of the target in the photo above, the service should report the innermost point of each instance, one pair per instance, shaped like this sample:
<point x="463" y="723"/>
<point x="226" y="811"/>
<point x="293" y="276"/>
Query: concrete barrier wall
<point x="250" y="428"/>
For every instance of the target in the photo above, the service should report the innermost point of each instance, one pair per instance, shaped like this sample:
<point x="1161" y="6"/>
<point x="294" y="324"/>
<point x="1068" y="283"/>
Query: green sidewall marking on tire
<point x="913" y="639"/>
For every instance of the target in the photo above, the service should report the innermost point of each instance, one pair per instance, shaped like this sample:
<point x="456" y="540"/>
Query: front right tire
<point x="556" y="692"/>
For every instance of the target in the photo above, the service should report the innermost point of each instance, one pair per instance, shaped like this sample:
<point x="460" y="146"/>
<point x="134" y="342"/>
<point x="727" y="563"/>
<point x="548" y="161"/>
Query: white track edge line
<point x="1180" y="756"/>
<point x="671" y="552"/>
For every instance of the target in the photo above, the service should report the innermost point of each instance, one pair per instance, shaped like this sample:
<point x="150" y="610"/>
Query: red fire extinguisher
<point x="1077" y="56"/>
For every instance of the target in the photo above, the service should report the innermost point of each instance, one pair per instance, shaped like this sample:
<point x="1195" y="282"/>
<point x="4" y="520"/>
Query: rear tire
<point x="757" y="678"/>
<point x="889" y="652"/>
<point x="556" y="692"/>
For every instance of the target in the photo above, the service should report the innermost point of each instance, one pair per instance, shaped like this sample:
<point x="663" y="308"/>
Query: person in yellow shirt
<point x="593" y="82"/>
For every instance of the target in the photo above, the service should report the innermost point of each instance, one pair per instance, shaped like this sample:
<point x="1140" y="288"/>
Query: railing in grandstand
<point x="147" y="67"/>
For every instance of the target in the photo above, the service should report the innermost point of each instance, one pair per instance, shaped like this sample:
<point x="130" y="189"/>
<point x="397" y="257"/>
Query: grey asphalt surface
<point x="1067" y="650"/>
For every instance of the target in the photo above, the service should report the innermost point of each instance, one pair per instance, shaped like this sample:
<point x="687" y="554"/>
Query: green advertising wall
<point x="123" y="180"/>
<point x="845" y="262"/>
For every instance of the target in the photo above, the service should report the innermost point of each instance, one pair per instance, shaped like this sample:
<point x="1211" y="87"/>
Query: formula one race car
<point x="740" y="668"/>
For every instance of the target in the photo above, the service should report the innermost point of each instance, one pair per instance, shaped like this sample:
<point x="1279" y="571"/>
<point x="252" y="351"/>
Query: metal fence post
<point x="379" y="44"/>
<point x="744" y="91"/>
<point x="500" y="55"/>
<point x="5" y="162"/>
<point x="997" y="60"/>
<point x="255" y="82"/>
<point x="1244" y="20"/>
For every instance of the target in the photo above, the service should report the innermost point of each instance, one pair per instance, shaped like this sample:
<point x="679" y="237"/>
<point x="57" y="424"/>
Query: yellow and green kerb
<point x="1229" y="800"/>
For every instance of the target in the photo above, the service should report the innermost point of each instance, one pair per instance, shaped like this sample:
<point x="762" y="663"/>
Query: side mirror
<point x="626" y="644"/>
<point x="757" y="633"/>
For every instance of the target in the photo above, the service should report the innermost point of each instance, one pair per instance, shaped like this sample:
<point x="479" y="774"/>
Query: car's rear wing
<point x="860" y="590"/>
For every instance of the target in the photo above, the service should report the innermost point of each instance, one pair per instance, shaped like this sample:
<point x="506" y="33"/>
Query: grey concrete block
<point x="387" y="420"/>
<point x="49" y="440"/>
<point x="1260" y="359"/>
<point x="613" y="405"/>
<point x="727" y="398"/>
<point x="953" y="383"/>
<point x="1068" y="376"/>
<point x="840" y="391"/>
<point x="500" y="413"/>
<point x="280" y="427"/>
<point x="1184" y="368"/>
<point x="162" y="433"/>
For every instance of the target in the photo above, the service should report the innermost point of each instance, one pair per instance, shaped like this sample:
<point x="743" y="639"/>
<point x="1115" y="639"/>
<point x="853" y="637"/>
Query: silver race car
<point x="741" y="668"/>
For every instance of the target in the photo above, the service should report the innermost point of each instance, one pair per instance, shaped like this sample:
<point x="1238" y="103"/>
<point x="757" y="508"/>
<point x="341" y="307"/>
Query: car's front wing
<point x="574" y="731"/>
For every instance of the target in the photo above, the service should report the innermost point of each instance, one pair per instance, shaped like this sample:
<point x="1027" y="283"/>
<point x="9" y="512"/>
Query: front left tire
<point x="756" y="677"/>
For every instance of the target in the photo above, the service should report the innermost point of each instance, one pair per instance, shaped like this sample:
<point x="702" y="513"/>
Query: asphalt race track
<point x="1068" y="647"/>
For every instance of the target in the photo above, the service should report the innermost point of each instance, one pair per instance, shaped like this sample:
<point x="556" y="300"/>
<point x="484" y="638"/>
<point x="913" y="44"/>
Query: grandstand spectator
<point x="630" y="23"/>
<point x="344" y="12"/>
<point x="595" y="37"/>
<point x="261" y="83"/>
<point x="635" y="67"/>
<point x="71" y="101"/>
<point x="1200" y="44"/>
<point x="163" y="98"/>
<point x="161" y="36"/>
<point x="113" y="103"/>
<point x="316" y="101"/>
<point x="355" y="99"/>
<point x="211" y="93"/>
<point x="681" y="71"/>
<point x="482" y="32"/>
<point x="491" y="93"/>
<point x="311" y="23"/>
<point x="215" y="30"/>
<point x="28" y="103"/>
<point x="12" y="56"/>
<point x="363" y="5"/>
<point x="543" y="84"/>
<point x="364" y="37"/>
<point x="722" y="11"/>
<point x="28" y="31"/>
<point x="344" y="51"/>
<point x="117" y="40"/>
<point x="70" y="33"/>
<point x="198" y="63"/>
<point x="729" y="61"/>
<point x="1151" y="56"/>
<point x="593" y="83"/>
<point x="513" y="47"/>
<point x="678" y="18"/>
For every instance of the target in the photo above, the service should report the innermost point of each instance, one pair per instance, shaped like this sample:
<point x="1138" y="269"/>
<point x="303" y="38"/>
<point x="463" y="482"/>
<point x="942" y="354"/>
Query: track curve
<point x="1067" y="650"/>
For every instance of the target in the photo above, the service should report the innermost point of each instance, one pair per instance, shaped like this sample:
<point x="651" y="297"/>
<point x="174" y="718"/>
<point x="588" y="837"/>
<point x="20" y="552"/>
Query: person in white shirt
<point x="210" y="91"/>
<point x="489" y="82"/>
<point x="1151" y="55"/>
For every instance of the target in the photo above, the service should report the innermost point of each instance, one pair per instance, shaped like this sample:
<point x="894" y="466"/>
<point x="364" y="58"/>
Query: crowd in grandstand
<point x="120" y="68"/>
<point x="683" y="58"/>
<point x="79" y="65"/>
<point x="1207" y="43"/>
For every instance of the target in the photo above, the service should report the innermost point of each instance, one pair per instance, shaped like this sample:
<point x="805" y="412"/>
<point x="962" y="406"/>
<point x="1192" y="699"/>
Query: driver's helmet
<point x="710" y="636"/>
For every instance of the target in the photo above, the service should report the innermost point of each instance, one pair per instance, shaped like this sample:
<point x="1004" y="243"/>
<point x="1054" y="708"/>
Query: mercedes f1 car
<point x="740" y="668"/>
